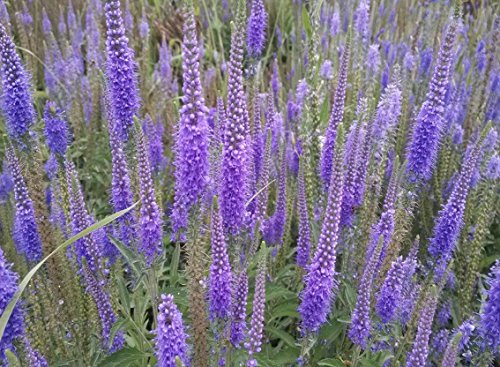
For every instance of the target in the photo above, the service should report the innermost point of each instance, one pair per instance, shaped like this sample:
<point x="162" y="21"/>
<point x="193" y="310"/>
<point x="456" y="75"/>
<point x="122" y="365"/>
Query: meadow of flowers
<point x="249" y="183"/>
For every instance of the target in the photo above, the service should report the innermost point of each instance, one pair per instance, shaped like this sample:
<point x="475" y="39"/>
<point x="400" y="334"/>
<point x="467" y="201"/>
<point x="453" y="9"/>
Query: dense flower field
<point x="249" y="183"/>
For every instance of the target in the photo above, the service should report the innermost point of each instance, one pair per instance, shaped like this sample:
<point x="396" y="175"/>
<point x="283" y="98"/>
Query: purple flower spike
<point x="336" y="116"/>
<point x="389" y="297"/>
<point x="191" y="163"/>
<point x="426" y="136"/>
<point x="257" y="323"/>
<point x="450" y="219"/>
<point x="34" y="357"/>
<point x="170" y="341"/>
<point x="87" y="246"/>
<point x="56" y="129"/>
<point x="274" y="227"/>
<point x="362" y="21"/>
<point x="154" y="134"/>
<point x="120" y="70"/>
<point x="489" y="327"/>
<point x="320" y="283"/>
<point x="420" y="349"/>
<point x="15" y="326"/>
<point x="304" y="240"/>
<point x="234" y="172"/>
<point x="122" y="195"/>
<point x="151" y="223"/>
<point x="361" y="323"/>
<point x="17" y="104"/>
<point x="239" y="309"/>
<point x="256" y="32"/>
<point x="27" y="231"/>
<point x="95" y="288"/>
<point x="220" y="281"/>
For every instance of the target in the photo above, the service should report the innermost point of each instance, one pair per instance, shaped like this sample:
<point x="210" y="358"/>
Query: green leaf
<point x="331" y="331"/>
<point x="124" y="357"/>
<point x="287" y="309"/>
<point x="306" y="21"/>
<point x="12" y="358"/>
<point x="332" y="362"/>
<point x="282" y="335"/>
<point x="4" y="319"/>
<point x="128" y="255"/>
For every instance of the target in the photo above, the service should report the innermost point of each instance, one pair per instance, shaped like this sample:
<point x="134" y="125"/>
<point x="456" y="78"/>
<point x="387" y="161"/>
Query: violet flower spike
<point x="420" y="348"/>
<point x="151" y="222"/>
<point x="220" y="278"/>
<point x="15" y="326"/>
<point x="239" y="309"/>
<point x="257" y="322"/>
<point x="426" y="135"/>
<point x="256" y="29"/>
<point x="86" y="247"/>
<point x="234" y="173"/>
<point x="450" y="219"/>
<point x="274" y="227"/>
<point x="489" y="326"/>
<point x="192" y="140"/>
<point x="336" y="117"/>
<point x="27" y="229"/>
<point x="361" y="323"/>
<point x="122" y="195"/>
<point x="56" y="129"/>
<point x="389" y="297"/>
<point x="170" y="341"/>
<point x="304" y="240"/>
<point x="120" y="71"/>
<point x="320" y="284"/>
<point x="17" y="104"/>
<point x="106" y="314"/>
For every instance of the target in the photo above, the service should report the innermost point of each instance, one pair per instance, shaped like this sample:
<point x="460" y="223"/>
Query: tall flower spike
<point x="151" y="223"/>
<point x="451" y="352"/>
<point x="17" y="104"/>
<point x="122" y="195"/>
<point x="191" y="143"/>
<point x="275" y="226"/>
<point x="15" y="326"/>
<point x="420" y="349"/>
<point x="390" y="295"/>
<point x="154" y="134"/>
<point x="220" y="281"/>
<point x="170" y="341"/>
<point x="262" y="183"/>
<point x="304" y="240"/>
<point x="86" y="247"/>
<point x="320" y="283"/>
<point x="239" y="309"/>
<point x="120" y="70"/>
<point x="106" y="314"/>
<point x="489" y="326"/>
<point x="426" y="135"/>
<point x="256" y="31"/>
<point x="56" y="129"/>
<point x="361" y="323"/>
<point x="27" y="231"/>
<point x="450" y="219"/>
<point x="234" y="174"/>
<point x="33" y="357"/>
<point x="385" y="225"/>
<point x="352" y="156"/>
<point x="336" y="117"/>
<point x="259" y="302"/>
